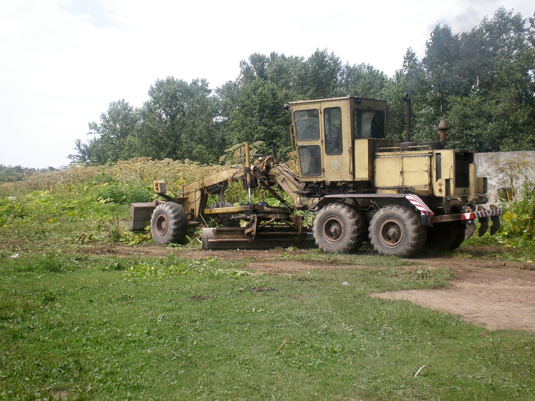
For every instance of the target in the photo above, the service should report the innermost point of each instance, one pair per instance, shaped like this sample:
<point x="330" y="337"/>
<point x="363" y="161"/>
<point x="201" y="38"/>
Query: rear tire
<point x="446" y="236"/>
<point x="339" y="228"/>
<point x="398" y="231"/>
<point x="168" y="223"/>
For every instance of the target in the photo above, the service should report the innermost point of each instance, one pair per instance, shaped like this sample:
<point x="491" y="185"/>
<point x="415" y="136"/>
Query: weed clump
<point x="122" y="193"/>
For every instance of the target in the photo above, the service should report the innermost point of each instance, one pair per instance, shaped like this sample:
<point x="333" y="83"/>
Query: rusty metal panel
<point x="140" y="214"/>
<point x="237" y="238"/>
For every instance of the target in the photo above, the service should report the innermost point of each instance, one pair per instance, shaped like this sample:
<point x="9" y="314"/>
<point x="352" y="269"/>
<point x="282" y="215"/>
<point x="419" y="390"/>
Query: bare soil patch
<point x="491" y="294"/>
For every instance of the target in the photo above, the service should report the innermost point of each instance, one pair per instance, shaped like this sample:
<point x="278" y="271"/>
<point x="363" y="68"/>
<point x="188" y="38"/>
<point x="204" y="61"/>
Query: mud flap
<point x="426" y="220"/>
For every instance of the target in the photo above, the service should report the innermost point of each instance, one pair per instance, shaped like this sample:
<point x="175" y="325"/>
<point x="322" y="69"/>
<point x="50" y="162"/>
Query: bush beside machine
<point x="351" y="181"/>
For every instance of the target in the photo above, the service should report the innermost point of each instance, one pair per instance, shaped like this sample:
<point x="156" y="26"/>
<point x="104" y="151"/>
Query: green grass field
<point x="75" y="325"/>
<point x="88" y="327"/>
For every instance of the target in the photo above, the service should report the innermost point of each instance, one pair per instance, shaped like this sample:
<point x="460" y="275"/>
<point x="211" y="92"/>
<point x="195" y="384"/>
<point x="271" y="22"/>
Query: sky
<point x="62" y="62"/>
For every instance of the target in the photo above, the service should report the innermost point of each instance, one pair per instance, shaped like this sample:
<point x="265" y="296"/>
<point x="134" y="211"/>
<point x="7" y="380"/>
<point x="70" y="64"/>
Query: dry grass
<point x="143" y="169"/>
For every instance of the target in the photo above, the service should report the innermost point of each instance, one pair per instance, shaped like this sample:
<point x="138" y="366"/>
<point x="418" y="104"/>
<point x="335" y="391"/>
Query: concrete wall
<point x="505" y="170"/>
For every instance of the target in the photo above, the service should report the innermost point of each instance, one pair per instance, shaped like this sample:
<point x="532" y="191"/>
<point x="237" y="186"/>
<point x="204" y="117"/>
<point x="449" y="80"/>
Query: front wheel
<point x="339" y="228"/>
<point x="168" y="223"/>
<point x="397" y="230"/>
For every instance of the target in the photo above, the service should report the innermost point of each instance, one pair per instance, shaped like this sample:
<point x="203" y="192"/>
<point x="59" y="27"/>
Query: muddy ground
<point x="490" y="293"/>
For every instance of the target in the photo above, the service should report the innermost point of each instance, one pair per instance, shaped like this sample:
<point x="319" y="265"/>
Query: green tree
<point x="259" y="116"/>
<point x="482" y="81"/>
<point x="178" y="121"/>
<point x="361" y="80"/>
<point x="407" y="81"/>
<point x="113" y="136"/>
<point x="500" y="112"/>
<point x="318" y="77"/>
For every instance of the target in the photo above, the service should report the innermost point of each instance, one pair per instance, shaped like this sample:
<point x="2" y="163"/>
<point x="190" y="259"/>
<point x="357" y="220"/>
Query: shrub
<point x="518" y="200"/>
<point x="120" y="192"/>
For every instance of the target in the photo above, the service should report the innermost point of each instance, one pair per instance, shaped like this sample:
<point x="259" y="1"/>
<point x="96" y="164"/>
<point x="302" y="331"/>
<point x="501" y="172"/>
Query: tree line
<point x="482" y="82"/>
<point x="18" y="173"/>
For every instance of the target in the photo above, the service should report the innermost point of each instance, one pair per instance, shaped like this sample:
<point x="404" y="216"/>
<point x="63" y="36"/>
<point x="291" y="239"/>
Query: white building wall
<point x="506" y="170"/>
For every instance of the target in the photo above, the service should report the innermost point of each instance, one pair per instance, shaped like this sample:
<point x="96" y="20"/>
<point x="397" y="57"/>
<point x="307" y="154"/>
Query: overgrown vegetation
<point x="518" y="199"/>
<point x="516" y="191"/>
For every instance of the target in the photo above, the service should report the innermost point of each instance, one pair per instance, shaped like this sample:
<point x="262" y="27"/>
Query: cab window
<point x="369" y="123"/>
<point x="332" y="121"/>
<point x="310" y="160"/>
<point x="307" y="125"/>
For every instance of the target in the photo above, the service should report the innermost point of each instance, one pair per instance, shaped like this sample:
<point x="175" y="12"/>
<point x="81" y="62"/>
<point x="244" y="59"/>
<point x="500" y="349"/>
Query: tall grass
<point x="142" y="170"/>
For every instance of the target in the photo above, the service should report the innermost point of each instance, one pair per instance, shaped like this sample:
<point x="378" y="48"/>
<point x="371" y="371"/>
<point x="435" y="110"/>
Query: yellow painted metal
<point x="337" y="167"/>
<point x="227" y="210"/>
<point x="286" y="179"/>
<point x="159" y="187"/>
<point x="354" y="160"/>
<point x="473" y="182"/>
<point x="417" y="172"/>
<point x="365" y="151"/>
<point x="363" y="160"/>
<point x="402" y="171"/>
<point x="389" y="170"/>
<point x="195" y="192"/>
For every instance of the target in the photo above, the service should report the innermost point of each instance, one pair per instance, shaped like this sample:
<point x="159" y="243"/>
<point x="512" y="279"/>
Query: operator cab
<point x="331" y="135"/>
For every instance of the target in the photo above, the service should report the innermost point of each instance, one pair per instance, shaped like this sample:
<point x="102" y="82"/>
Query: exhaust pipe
<point x="407" y="143"/>
<point x="442" y="128"/>
<point x="407" y="118"/>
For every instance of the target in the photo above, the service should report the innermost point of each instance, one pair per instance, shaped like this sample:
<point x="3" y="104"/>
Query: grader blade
<point x="236" y="238"/>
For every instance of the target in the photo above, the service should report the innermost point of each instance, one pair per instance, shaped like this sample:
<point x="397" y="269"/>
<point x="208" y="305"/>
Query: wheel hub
<point x="392" y="233"/>
<point x="161" y="226"/>
<point x="333" y="229"/>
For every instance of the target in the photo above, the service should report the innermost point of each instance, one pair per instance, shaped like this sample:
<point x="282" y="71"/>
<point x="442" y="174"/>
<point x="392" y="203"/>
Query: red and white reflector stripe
<point x="481" y="213"/>
<point x="420" y="205"/>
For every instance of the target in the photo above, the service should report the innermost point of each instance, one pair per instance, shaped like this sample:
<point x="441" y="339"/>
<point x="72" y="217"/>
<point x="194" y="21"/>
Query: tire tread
<point x="416" y="231"/>
<point x="355" y="231"/>
<point x="177" y="223"/>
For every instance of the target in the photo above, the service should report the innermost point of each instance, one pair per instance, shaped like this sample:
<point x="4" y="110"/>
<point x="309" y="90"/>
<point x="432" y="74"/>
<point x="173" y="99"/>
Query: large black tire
<point x="339" y="228"/>
<point x="168" y="223"/>
<point x="397" y="230"/>
<point x="224" y="219"/>
<point x="446" y="236"/>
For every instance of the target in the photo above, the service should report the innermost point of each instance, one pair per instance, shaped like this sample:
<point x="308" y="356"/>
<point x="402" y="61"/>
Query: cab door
<point x="336" y="138"/>
<point x="307" y="123"/>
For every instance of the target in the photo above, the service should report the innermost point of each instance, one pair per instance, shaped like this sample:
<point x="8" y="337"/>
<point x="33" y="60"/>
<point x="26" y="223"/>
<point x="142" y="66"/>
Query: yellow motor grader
<point x="352" y="184"/>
